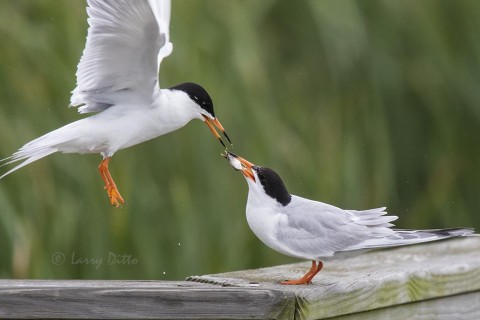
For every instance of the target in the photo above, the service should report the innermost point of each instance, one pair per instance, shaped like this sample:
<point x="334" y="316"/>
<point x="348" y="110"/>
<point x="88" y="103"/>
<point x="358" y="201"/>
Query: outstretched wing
<point x="126" y="43"/>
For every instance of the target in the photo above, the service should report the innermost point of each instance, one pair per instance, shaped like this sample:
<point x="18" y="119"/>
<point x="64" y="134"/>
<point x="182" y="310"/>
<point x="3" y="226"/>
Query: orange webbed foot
<point x="307" y="278"/>
<point x="296" y="282"/>
<point x="116" y="198"/>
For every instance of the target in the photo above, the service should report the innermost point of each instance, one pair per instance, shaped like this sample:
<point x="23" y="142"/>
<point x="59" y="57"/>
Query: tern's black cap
<point x="198" y="94"/>
<point x="273" y="185"/>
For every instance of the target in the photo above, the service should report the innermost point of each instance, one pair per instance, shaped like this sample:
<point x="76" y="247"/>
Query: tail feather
<point x="402" y="237"/>
<point x="35" y="150"/>
<point x="29" y="159"/>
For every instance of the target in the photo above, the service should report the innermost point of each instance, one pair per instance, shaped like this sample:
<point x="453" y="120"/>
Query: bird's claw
<point x="116" y="199"/>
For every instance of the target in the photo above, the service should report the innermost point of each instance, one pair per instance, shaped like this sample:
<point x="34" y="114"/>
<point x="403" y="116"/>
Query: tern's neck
<point x="258" y="199"/>
<point x="175" y="109"/>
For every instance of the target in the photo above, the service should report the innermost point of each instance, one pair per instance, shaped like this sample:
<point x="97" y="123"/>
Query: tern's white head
<point x="262" y="181"/>
<point x="201" y="106"/>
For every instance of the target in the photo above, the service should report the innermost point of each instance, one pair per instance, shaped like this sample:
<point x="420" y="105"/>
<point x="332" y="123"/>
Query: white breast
<point x="264" y="217"/>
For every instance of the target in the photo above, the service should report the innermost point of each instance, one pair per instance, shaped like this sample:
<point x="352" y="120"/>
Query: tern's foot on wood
<point x="302" y="280"/>
<point x="116" y="199"/>
<point x="307" y="278"/>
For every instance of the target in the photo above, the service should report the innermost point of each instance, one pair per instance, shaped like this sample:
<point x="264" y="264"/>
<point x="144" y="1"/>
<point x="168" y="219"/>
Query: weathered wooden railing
<point x="437" y="280"/>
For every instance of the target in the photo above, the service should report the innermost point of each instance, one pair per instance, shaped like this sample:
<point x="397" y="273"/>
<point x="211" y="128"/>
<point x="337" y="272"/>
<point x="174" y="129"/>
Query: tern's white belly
<point x="113" y="130"/>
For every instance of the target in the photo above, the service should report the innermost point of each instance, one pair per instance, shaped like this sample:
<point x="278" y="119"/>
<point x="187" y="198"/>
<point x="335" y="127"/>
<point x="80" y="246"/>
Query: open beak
<point x="211" y="124"/>
<point x="245" y="166"/>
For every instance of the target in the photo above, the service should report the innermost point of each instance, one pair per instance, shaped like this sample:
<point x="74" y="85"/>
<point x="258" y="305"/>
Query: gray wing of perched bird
<point x="316" y="230"/>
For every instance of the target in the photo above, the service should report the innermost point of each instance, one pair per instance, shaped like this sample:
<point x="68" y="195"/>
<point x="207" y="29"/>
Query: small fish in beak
<point x="240" y="164"/>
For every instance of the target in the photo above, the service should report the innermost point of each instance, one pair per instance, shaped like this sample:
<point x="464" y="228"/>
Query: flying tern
<point x="117" y="78"/>
<point x="317" y="231"/>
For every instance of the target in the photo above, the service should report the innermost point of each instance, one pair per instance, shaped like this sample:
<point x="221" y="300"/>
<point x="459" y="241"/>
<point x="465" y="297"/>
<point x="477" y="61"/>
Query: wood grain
<point x="431" y="281"/>
<point x="138" y="300"/>
<point x="458" y="307"/>
<point x="374" y="280"/>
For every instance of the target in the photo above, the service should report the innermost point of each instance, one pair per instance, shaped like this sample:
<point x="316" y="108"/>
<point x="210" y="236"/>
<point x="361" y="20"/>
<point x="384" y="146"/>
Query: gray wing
<point x="125" y="44"/>
<point x="317" y="230"/>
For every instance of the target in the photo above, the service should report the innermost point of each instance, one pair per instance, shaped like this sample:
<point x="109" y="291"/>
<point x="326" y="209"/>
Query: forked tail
<point x="403" y="237"/>
<point x="34" y="150"/>
<point x="29" y="155"/>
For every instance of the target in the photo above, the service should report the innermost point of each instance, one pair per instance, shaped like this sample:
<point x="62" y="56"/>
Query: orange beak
<point x="211" y="124"/>
<point x="246" y="166"/>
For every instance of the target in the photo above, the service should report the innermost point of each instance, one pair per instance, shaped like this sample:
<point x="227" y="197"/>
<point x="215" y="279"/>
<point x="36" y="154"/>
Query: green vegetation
<point x="356" y="103"/>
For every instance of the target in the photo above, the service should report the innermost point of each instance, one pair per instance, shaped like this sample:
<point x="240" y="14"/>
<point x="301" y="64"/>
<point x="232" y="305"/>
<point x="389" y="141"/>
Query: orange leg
<point x="112" y="191"/>
<point x="307" y="278"/>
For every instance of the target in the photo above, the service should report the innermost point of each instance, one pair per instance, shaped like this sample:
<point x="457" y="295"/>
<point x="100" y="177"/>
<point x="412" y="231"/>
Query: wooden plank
<point x="139" y="300"/>
<point x="378" y="279"/>
<point x="434" y="280"/>
<point x="458" y="307"/>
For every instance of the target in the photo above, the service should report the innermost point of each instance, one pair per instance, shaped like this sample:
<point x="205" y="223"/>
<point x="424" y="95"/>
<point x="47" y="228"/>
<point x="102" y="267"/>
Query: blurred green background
<point x="356" y="103"/>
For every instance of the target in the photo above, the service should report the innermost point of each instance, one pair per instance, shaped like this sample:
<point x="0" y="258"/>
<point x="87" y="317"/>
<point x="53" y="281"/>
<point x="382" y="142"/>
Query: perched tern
<point x="317" y="231"/>
<point x="117" y="78"/>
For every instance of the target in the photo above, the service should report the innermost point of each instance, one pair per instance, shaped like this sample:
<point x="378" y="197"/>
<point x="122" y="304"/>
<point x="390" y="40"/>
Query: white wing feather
<point x="125" y="44"/>
<point x="161" y="10"/>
